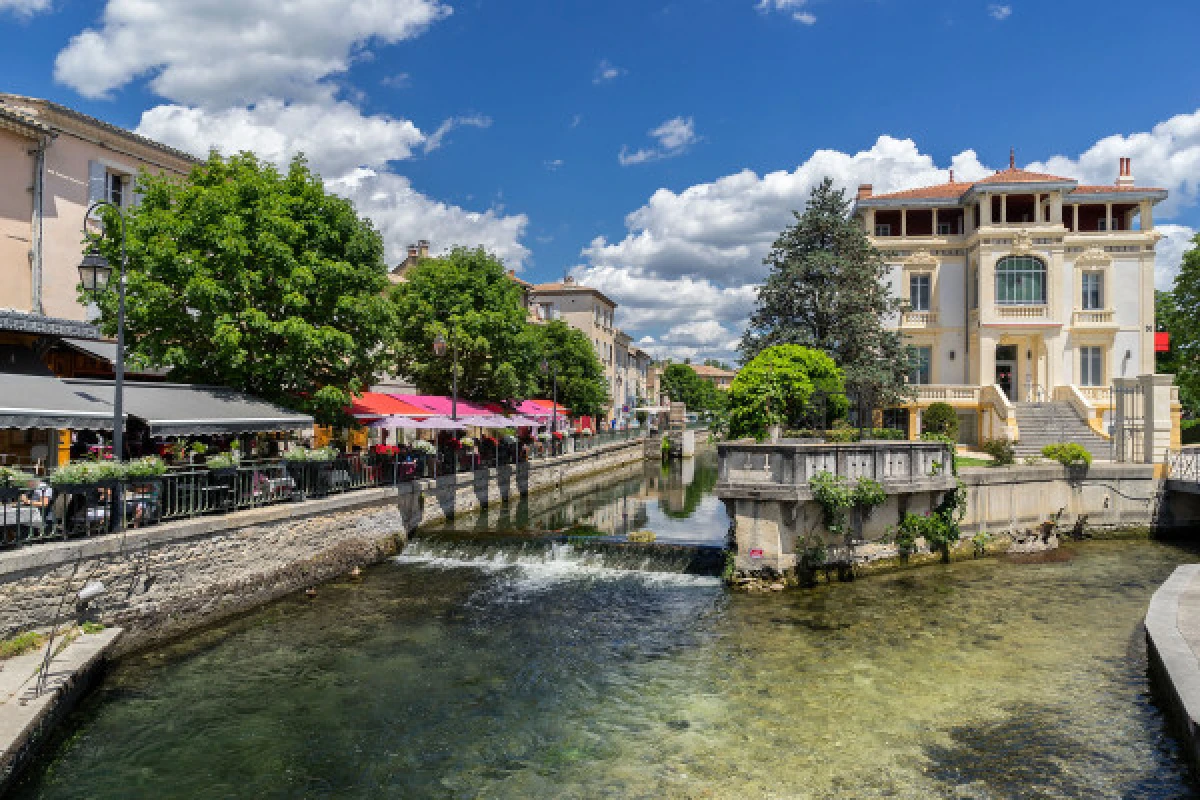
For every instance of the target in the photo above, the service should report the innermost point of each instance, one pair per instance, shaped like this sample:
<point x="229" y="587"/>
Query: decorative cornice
<point x="1022" y="243"/>
<point x="1093" y="257"/>
<point x="24" y="322"/>
<point x="921" y="259"/>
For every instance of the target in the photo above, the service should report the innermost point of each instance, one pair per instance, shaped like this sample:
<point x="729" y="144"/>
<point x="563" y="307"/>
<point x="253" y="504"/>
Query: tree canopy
<point x="242" y="276"/>
<point x="1178" y="312"/>
<point x="681" y="383"/>
<point x="568" y="352"/>
<point x="466" y="297"/>
<point x="827" y="289"/>
<point x="777" y="385"/>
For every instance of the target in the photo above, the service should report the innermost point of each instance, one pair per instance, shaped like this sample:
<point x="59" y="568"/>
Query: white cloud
<point x="434" y="140"/>
<point x="401" y="80"/>
<point x="674" y="137"/>
<point x="24" y="8"/>
<point x="999" y="12"/>
<point x="553" y="164"/>
<point x="335" y="137"/>
<point x="222" y="54"/>
<point x="793" y="7"/>
<point x="404" y="215"/>
<point x="606" y="72"/>
<point x="1168" y="255"/>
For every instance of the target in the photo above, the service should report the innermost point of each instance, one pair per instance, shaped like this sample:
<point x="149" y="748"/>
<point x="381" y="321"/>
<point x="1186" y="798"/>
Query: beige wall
<point x="16" y="214"/>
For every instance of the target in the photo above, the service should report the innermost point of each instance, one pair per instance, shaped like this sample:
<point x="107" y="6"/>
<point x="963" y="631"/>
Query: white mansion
<point x="1021" y="287"/>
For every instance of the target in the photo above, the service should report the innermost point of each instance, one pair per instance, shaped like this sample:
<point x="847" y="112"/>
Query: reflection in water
<point x="674" y="501"/>
<point x="514" y="675"/>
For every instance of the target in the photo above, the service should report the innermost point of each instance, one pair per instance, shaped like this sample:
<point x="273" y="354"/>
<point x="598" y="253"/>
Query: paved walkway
<point x="23" y="711"/>
<point x="1173" y="640"/>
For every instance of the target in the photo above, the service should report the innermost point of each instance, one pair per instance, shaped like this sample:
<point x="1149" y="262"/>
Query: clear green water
<point x="555" y="678"/>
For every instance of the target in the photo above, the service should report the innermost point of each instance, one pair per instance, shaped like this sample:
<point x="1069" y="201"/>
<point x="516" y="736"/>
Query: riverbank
<point x="1173" y="645"/>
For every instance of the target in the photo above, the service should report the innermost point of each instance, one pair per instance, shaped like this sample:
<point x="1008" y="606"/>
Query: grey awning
<point x="107" y="352"/>
<point x="44" y="401"/>
<point x="181" y="409"/>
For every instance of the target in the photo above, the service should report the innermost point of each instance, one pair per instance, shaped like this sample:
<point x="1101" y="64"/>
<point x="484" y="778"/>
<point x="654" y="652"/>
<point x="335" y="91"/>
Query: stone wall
<point x="171" y="578"/>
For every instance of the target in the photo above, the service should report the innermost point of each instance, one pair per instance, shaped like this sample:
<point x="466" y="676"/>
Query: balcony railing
<point x="1022" y="312"/>
<point x="919" y="319"/>
<point x="933" y="393"/>
<point x="1083" y="319"/>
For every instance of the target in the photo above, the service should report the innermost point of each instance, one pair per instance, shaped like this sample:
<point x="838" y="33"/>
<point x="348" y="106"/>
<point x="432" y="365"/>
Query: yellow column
<point x="914" y="423"/>
<point x="63" y="454"/>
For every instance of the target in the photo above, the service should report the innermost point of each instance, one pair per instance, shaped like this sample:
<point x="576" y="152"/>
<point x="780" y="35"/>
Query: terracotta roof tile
<point x="951" y="190"/>
<point x="1012" y="175"/>
<point x="1114" y="188"/>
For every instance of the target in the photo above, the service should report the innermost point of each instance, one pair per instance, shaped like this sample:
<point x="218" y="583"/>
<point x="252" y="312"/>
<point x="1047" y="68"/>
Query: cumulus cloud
<point x="24" y="8"/>
<point x="674" y="137"/>
<point x="794" y="8"/>
<point x="404" y="215"/>
<point x="336" y="137"/>
<point x="224" y="54"/>
<point x="606" y="72"/>
<point x="999" y="12"/>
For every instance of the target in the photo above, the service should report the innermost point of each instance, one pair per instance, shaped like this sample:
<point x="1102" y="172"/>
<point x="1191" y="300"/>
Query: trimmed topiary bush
<point x="1068" y="454"/>
<point x="940" y="418"/>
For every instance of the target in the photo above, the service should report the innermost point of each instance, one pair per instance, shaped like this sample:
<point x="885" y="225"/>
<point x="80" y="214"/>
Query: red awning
<point x="372" y="405"/>
<point x="1162" y="342"/>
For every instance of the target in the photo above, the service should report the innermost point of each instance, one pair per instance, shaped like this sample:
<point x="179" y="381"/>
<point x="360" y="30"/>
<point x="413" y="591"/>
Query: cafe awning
<point x="32" y="397"/>
<point x="182" y="409"/>
<point x="372" y="405"/>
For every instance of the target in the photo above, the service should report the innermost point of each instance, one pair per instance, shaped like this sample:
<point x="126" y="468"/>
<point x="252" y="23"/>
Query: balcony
<point x="947" y="393"/>
<point x="1094" y="319"/>
<point x="918" y="319"/>
<point x="1022" y="313"/>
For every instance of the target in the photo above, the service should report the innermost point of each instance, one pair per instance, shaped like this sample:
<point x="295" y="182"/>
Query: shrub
<point x="232" y="459"/>
<point x="1068" y="454"/>
<point x="22" y="643"/>
<point x="10" y="476"/>
<point x="1189" y="431"/>
<point x="148" y="467"/>
<point x="842" y="435"/>
<point x="1002" y="451"/>
<point x="940" y="418"/>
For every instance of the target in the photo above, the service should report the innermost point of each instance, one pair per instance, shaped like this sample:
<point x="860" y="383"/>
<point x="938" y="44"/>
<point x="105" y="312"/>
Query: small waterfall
<point x="562" y="555"/>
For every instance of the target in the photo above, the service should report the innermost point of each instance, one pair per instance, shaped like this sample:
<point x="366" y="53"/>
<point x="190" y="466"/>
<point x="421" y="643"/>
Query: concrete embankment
<point x="29" y="712"/>
<point x="1173" y="645"/>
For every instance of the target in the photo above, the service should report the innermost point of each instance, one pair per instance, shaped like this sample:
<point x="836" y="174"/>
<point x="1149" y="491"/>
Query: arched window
<point x="1020" y="281"/>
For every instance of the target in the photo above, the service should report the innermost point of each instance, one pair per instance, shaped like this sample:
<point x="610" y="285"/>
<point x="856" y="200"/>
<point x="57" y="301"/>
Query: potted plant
<point x="146" y="469"/>
<point x="80" y="476"/>
<point x="223" y="465"/>
<point x="14" y="482"/>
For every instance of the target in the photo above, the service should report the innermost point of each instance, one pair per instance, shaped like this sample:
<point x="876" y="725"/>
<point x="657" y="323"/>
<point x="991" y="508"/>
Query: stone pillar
<point x="1108" y="217"/>
<point x="1147" y="215"/>
<point x="1156" y="410"/>
<point x="1003" y="209"/>
<point x="987" y="359"/>
<point x="985" y="210"/>
<point x="1056" y="207"/>
<point x="904" y="222"/>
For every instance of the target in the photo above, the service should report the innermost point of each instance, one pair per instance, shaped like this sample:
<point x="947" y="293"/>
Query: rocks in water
<point x="643" y="537"/>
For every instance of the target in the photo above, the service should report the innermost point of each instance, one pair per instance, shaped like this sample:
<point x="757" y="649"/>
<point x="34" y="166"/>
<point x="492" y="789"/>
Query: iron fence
<point x="51" y="512"/>
<point x="1184" y="464"/>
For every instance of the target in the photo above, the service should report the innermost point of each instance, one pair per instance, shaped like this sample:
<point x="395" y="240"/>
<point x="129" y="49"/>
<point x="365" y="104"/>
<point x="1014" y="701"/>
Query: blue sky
<point x="653" y="149"/>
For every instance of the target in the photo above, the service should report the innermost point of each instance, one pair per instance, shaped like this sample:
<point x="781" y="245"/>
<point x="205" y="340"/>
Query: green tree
<point x="827" y="289"/>
<point x="582" y="386"/>
<point x="467" y="297"/>
<point x="775" y="388"/>
<point x="242" y="276"/>
<point x="1169" y="318"/>
<point x="681" y="383"/>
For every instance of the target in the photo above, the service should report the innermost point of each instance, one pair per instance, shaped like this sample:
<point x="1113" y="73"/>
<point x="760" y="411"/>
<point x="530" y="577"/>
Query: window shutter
<point x="96" y="176"/>
<point x="135" y="191"/>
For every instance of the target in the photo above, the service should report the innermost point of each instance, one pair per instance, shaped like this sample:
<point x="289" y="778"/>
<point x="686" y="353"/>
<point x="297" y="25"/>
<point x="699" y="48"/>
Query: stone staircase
<point x="1040" y="424"/>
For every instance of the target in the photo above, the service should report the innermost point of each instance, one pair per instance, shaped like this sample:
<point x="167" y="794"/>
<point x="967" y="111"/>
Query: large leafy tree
<point x="1178" y="312"/>
<point x="777" y="387"/>
<point x="681" y="383"/>
<point x="569" y="355"/>
<point x="247" y="277"/>
<point x="466" y="297"/>
<point x="827" y="289"/>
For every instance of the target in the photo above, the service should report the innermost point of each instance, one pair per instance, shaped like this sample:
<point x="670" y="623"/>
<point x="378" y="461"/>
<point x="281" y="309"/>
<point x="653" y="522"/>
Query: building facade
<point x="1021" y="287"/>
<point x="54" y="163"/>
<point x="718" y="377"/>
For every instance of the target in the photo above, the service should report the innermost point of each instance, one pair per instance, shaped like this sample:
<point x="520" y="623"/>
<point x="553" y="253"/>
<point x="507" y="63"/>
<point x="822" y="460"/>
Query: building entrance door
<point x="1006" y="370"/>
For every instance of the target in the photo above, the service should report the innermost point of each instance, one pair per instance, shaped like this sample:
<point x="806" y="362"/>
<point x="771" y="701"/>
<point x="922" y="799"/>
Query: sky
<point x="651" y="148"/>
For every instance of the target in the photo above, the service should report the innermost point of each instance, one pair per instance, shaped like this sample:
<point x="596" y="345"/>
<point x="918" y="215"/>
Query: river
<point x="487" y="662"/>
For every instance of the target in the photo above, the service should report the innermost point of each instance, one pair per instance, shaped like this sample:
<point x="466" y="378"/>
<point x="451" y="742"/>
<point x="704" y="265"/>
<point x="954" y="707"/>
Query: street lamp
<point x="439" y="350"/>
<point x="546" y="367"/>
<point x="95" y="273"/>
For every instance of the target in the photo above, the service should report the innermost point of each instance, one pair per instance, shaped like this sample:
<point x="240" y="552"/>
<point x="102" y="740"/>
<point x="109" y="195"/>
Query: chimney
<point x="1125" y="172"/>
<point x="952" y="174"/>
<point x="412" y="252"/>
<point x="423" y="247"/>
<point x="1012" y="158"/>
<point x="569" y="280"/>
<point x="864" y="190"/>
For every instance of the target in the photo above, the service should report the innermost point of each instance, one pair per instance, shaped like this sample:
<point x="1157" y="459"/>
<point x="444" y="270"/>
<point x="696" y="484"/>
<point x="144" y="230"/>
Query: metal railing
<point x="55" y="512"/>
<point x="1184" y="464"/>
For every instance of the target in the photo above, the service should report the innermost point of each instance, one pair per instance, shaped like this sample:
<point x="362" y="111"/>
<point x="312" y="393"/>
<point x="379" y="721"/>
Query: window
<point x="114" y="188"/>
<point x="920" y="374"/>
<point x="883" y="229"/>
<point x="944" y="229"/>
<point x="1020" y="281"/>
<point x="918" y="291"/>
<point x="1102" y="224"/>
<point x="1091" y="366"/>
<point x="1093" y="291"/>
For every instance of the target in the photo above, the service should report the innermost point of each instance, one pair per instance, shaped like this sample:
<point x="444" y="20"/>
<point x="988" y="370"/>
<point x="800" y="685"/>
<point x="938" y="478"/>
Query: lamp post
<point x="547" y="367"/>
<point x="94" y="274"/>
<point x="439" y="349"/>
